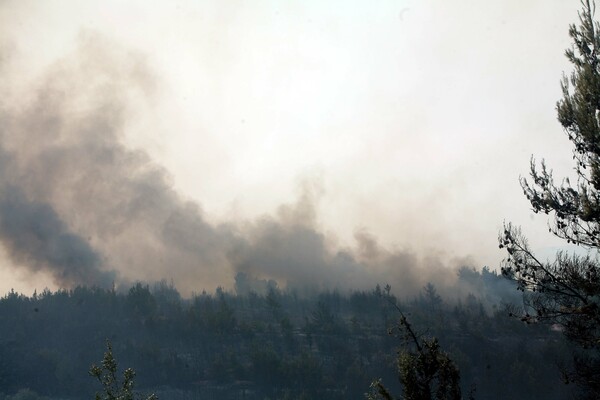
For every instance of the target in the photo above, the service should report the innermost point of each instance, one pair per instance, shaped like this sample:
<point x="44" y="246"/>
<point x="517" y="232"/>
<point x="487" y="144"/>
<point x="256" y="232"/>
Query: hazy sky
<point x="407" y="120"/>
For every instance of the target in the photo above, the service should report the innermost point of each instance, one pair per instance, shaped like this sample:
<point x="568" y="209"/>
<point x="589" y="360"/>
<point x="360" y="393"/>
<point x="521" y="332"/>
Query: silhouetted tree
<point x="424" y="370"/>
<point x="566" y="291"/>
<point x="113" y="389"/>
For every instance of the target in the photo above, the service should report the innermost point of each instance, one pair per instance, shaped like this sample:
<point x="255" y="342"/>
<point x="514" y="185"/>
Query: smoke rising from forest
<point x="76" y="202"/>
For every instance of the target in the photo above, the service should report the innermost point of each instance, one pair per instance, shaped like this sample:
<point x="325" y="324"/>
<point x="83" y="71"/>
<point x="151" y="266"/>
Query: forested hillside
<point x="273" y="344"/>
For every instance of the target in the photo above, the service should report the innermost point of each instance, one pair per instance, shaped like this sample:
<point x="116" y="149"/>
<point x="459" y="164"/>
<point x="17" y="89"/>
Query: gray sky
<point x="407" y="120"/>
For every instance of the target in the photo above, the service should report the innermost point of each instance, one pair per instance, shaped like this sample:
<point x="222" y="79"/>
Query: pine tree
<point x="566" y="291"/>
<point x="113" y="388"/>
<point x="425" y="371"/>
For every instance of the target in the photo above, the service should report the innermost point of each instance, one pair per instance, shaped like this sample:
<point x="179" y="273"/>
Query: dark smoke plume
<point x="63" y="154"/>
<point x="76" y="202"/>
<point x="36" y="237"/>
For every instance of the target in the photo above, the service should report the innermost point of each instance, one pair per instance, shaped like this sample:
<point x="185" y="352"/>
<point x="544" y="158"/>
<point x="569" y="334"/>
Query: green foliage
<point x="113" y="389"/>
<point x="566" y="292"/>
<point x="428" y="373"/>
<point x="48" y="339"/>
<point x="378" y="391"/>
<point x="424" y="370"/>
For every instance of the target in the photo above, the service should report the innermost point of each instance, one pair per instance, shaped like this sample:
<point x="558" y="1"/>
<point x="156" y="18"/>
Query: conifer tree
<point x="113" y="388"/>
<point x="425" y="371"/>
<point x="566" y="291"/>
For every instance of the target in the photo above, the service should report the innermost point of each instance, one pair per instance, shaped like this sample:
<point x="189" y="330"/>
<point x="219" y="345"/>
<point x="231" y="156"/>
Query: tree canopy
<point x="566" y="291"/>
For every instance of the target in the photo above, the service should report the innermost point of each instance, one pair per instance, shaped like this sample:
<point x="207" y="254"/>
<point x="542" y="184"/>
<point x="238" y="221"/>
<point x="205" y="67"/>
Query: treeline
<point x="275" y="344"/>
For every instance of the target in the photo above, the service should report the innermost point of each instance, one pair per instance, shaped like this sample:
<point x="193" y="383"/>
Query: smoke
<point x="292" y="250"/>
<point x="36" y="237"/>
<point x="66" y="167"/>
<point x="76" y="202"/>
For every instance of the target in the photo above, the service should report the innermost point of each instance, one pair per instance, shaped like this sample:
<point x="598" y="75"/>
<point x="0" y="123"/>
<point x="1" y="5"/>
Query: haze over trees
<point x="263" y="342"/>
<point x="565" y="292"/>
<point x="275" y="344"/>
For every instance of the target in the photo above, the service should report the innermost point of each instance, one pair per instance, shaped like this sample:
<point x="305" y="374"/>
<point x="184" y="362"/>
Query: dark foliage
<point x="113" y="388"/>
<point x="276" y="345"/>
<point x="566" y="291"/>
<point x="425" y="371"/>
